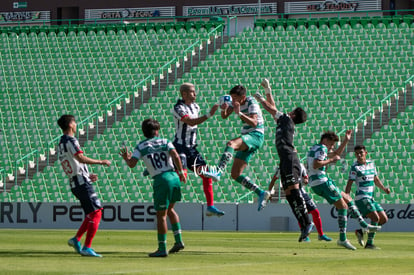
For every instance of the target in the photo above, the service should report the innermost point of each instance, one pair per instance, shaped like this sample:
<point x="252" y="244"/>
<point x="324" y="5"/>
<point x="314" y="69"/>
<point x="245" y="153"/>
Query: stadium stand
<point x="47" y="73"/>
<point x="336" y="68"/>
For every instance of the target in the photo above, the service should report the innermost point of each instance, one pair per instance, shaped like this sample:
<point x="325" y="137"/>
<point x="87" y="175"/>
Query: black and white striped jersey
<point x="77" y="172"/>
<point x="185" y="134"/>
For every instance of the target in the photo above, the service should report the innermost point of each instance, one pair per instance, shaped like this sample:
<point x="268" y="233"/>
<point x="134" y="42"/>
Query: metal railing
<point x="179" y="61"/>
<point x="89" y="125"/>
<point x="23" y="164"/>
<point x="113" y="106"/>
<point x="386" y="101"/>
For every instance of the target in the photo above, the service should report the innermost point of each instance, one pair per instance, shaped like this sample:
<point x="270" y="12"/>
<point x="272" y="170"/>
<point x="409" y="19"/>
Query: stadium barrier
<point x="142" y="216"/>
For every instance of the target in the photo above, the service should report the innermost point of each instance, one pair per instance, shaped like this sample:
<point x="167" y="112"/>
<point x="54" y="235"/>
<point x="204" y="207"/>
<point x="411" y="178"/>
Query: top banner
<point x="332" y="6"/>
<point x="28" y="16"/>
<point x="236" y="9"/>
<point x="125" y="13"/>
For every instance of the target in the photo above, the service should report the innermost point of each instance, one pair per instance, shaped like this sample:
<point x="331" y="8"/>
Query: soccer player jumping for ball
<point x="251" y="139"/>
<point x="186" y="118"/>
<point x="74" y="162"/>
<point x="289" y="162"/>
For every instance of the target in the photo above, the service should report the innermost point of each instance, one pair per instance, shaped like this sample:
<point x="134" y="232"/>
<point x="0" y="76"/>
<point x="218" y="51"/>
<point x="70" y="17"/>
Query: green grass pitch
<point x="210" y="252"/>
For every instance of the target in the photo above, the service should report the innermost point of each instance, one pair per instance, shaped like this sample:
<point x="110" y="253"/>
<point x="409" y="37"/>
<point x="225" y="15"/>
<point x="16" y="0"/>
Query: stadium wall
<point x="69" y="9"/>
<point x="140" y="216"/>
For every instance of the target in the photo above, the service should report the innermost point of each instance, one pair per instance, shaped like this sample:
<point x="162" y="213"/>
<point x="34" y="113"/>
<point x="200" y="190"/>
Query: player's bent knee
<point x="383" y="219"/>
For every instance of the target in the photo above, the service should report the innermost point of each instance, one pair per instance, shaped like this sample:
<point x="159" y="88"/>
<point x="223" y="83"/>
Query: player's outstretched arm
<point x="201" y="119"/>
<point x="127" y="156"/>
<point x="341" y="148"/>
<point x="268" y="91"/>
<point x="268" y="103"/>
<point x="84" y="159"/>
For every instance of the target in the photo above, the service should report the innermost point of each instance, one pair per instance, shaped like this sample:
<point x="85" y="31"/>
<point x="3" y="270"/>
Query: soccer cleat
<point x="75" y="244"/>
<point x="372" y="228"/>
<point x="304" y="233"/>
<point x="158" y="253"/>
<point x="213" y="174"/>
<point x="324" y="238"/>
<point x="213" y="211"/>
<point x="360" y="236"/>
<point x="258" y="96"/>
<point x="306" y="240"/>
<point x="371" y="246"/>
<point x="87" y="251"/>
<point x="177" y="247"/>
<point x="346" y="244"/>
<point x="262" y="201"/>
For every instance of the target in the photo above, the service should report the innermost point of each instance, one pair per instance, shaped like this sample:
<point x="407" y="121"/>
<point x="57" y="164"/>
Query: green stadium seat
<point x="292" y="56"/>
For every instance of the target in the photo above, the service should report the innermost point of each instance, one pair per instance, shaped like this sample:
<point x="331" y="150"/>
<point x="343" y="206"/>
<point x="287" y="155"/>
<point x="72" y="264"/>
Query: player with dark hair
<point x="160" y="156"/>
<point x="364" y="173"/>
<point x="251" y="139"/>
<point x="186" y="118"/>
<point x="289" y="162"/>
<point x="74" y="164"/>
<point x="310" y="204"/>
<point x="319" y="156"/>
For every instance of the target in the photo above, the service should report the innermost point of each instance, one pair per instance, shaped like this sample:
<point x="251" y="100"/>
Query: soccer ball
<point x="225" y="99"/>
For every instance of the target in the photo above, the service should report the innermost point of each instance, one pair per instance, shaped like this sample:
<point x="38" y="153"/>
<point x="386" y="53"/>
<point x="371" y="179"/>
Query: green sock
<point x="342" y="223"/>
<point x="249" y="184"/>
<point x="226" y="158"/>
<point x="162" y="242"/>
<point x="371" y="235"/>
<point x="176" y="228"/>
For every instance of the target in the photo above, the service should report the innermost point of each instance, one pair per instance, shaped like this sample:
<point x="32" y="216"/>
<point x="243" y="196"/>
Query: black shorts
<point x="87" y="197"/>
<point x="190" y="157"/>
<point x="289" y="170"/>
<point x="310" y="204"/>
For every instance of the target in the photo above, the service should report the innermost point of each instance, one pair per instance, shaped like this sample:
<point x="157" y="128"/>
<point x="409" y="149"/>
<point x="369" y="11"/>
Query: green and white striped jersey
<point x="317" y="176"/>
<point x="155" y="152"/>
<point x="248" y="108"/>
<point x="363" y="175"/>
